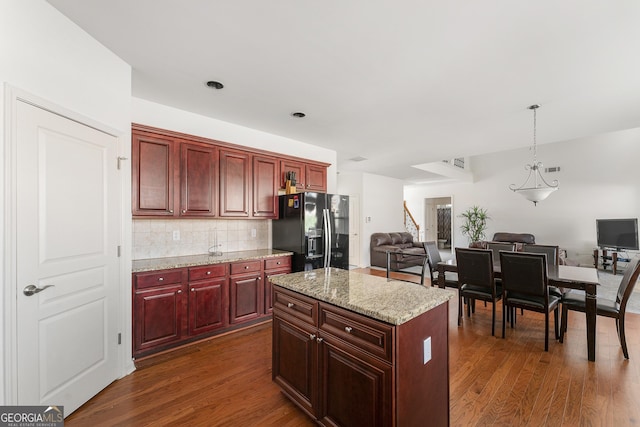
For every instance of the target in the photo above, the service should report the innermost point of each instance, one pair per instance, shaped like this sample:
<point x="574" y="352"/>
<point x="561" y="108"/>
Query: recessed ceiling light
<point x="358" y="159"/>
<point x="298" y="114"/>
<point x="214" y="84"/>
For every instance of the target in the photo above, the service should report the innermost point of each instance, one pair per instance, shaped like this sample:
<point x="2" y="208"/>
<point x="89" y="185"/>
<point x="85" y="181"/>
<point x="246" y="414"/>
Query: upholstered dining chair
<point x="525" y="285"/>
<point x="553" y="258"/>
<point x="575" y="300"/>
<point x="497" y="247"/>
<point x="476" y="281"/>
<point x="433" y="258"/>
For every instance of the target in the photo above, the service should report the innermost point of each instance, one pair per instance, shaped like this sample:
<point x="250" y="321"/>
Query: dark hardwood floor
<point x="226" y="381"/>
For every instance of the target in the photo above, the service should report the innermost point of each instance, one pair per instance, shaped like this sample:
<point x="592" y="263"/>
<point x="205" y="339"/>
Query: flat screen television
<point x="618" y="233"/>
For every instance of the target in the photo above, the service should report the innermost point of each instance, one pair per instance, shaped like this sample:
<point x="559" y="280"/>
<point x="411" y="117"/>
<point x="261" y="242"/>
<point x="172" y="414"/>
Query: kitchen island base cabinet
<point x="345" y="369"/>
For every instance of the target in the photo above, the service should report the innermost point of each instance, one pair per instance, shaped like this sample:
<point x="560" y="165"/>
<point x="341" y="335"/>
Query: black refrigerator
<point x="315" y="227"/>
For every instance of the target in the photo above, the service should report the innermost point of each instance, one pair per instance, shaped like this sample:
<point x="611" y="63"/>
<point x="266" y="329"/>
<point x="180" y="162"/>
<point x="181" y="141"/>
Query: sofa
<point x="503" y="237"/>
<point x="405" y="252"/>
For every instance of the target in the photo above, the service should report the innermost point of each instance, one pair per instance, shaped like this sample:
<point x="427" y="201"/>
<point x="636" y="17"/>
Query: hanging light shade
<point x="535" y="188"/>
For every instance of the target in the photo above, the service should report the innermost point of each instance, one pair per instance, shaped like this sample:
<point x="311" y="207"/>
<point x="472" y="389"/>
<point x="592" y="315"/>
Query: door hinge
<point x="119" y="338"/>
<point x="119" y="250"/>
<point x="120" y="159"/>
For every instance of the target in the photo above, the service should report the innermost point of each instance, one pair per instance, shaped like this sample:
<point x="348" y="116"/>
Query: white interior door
<point x="430" y="221"/>
<point x="67" y="235"/>
<point x="354" y="231"/>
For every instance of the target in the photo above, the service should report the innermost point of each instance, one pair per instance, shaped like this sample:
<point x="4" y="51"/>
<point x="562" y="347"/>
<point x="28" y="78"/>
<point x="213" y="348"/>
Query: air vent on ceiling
<point x="458" y="162"/>
<point x="552" y="169"/>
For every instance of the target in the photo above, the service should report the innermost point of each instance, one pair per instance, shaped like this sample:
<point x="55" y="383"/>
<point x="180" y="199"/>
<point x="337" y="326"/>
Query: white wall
<point x="599" y="178"/>
<point x="162" y="116"/>
<point x="46" y="55"/>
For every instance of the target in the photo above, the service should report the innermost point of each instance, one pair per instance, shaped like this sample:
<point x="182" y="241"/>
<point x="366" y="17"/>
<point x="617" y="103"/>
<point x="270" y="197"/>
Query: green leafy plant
<point x="475" y="223"/>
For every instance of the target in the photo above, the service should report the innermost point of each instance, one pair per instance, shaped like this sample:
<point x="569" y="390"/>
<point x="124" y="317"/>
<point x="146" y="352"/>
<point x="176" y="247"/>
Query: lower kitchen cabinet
<point x="346" y="369"/>
<point x="208" y="298"/>
<point x="159" y="307"/>
<point x="176" y="306"/>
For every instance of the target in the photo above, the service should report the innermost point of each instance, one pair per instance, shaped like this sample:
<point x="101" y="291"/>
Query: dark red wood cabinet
<point x="235" y="178"/>
<point x="309" y="176"/>
<point x="198" y="179"/>
<point x="153" y="174"/>
<point x="173" y="307"/>
<point x="346" y="369"/>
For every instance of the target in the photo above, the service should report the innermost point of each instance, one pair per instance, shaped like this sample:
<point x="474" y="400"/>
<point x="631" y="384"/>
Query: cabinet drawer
<point x="367" y="334"/>
<point x="157" y="278"/>
<point x="246" y="267"/>
<point x="296" y="305"/>
<point x="271" y="263"/>
<point x="207" y="272"/>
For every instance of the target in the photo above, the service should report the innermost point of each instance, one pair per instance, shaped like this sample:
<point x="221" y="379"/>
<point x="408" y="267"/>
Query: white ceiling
<point x="400" y="82"/>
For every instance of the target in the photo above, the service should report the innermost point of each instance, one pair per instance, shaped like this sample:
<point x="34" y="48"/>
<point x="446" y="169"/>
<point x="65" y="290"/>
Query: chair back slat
<point x="552" y="252"/>
<point x="433" y="253"/>
<point x="475" y="267"/>
<point x="524" y="273"/>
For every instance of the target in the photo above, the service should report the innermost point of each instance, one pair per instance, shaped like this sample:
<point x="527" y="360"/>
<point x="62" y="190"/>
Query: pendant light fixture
<point x="539" y="189"/>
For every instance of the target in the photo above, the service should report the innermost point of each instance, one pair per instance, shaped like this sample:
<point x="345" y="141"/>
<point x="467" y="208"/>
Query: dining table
<point x="561" y="276"/>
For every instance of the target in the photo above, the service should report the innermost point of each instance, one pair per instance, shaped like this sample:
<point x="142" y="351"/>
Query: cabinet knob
<point x="290" y="304"/>
<point x="348" y="329"/>
<point x="170" y="210"/>
<point x="312" y="337"/>
<point x="193" y="289"/>
<point x="278" y="263"/>
<point x="184" y="211"/>
<point x="208" y="273"/>
<point x="160" y="279"/>
<point x="246" y="267"/>
<point x="319" y="339"/>
<point x="180" y="291"/>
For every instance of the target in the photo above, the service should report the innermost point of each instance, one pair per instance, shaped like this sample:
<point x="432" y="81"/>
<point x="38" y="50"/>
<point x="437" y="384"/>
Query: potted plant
<point x="475" y="223"/>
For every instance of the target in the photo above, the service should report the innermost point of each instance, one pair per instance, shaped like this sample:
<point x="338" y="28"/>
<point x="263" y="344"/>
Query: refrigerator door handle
<point x="327" y="237"/>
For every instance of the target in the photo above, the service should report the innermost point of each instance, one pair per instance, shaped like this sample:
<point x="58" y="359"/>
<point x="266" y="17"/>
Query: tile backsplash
<point x="156" y="238"/>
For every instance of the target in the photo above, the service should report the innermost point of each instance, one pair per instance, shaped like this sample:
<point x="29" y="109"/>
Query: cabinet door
<point x="367" y="399"/>
<point x="316" y="177"/>
<point x="154" y="169"/>
<point x="208" y="305"/>
<point x="198" y="179"/>
<point x="234" y="183"/>
<point x="295" y="361"/>
<point x="246" y="297"/>
<point x="265" y="187"/>
<point x="292" y="166"/>
<point x="157" y="317"/>
<point x="268" y="299"/>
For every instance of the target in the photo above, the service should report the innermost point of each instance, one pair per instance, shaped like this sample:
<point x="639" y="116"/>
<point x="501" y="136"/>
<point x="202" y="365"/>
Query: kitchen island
<point x="352" y="349"/>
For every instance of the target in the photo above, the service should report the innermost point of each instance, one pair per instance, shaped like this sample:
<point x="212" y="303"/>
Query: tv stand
<point x="607" y="260"/>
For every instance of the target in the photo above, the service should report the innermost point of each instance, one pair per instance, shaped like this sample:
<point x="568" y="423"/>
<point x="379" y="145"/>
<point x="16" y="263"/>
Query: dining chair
<point x="553" y="258"/>
<point x="497" y="247"/>
<point x="575" y="300"/>
<point x="433" y="258"/>
<point x="476" y="281"/>
<point x="525" y="286"/>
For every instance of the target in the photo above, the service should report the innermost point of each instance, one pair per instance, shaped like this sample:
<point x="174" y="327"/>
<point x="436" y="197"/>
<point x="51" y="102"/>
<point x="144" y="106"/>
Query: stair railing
<point x="410" y="224"/>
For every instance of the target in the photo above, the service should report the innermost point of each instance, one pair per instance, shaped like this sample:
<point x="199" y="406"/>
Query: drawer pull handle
<point x="348" y="329"/>
<point x="160" y="279"/>
<point x="312" y="337"/>
<point x="319" y="339"/>
<point x="290" y="304"/>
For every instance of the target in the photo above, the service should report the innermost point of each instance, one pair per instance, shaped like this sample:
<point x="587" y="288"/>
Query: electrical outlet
<point x="176" y="234"/>
<point x="426" y="350"/>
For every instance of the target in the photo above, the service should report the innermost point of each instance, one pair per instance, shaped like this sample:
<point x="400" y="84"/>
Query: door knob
<point x="32" y="289"/>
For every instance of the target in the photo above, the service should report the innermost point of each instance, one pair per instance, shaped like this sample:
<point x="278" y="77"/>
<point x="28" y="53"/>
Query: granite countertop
<point x="152" y="264"/>
<point x="390" y="301"/>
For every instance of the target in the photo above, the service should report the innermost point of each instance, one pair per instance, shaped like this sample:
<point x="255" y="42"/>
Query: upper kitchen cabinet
<point x="235" y="170"/>
<point x="154" y="172"/>
<point x="265" y="187"/>
<point x="198" y="179"/>
<point x="185" y="176"/>
<point x="309" y="176"/>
